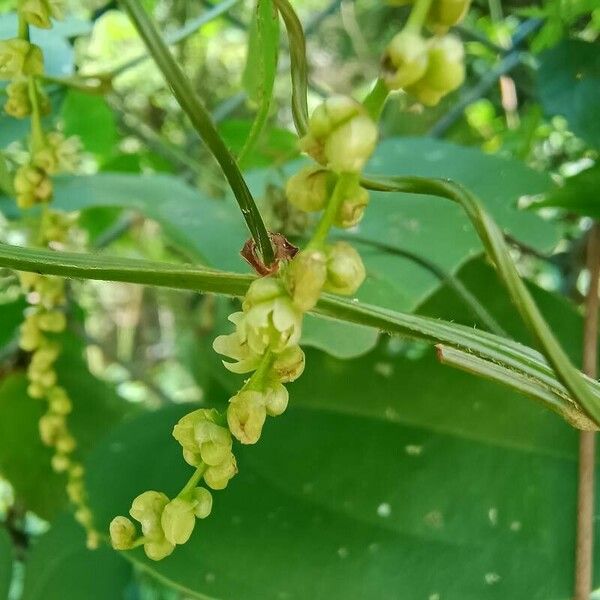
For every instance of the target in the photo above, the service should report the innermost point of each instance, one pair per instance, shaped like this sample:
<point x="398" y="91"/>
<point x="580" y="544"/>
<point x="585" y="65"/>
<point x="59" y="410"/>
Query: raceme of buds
<point x="39" y="12"/>
<point x="304" y="278"/>
<point x="271" y="321"/>
<point x="345" y="269"/>
<point x="246" y="415"/>
<point x="445" y="71"/>
<point x="444" y="14"/>
<point x="20" y="58"/>
<point x="405" y="60"/>
<point x="341" y="135"/>
<point x="204" y="440"/>
<point x="309" y="189"/>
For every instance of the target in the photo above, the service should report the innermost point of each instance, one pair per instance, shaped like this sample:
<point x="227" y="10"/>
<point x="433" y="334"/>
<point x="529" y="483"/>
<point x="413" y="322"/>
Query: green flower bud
<point x="30" y="336"/>
<point x="203" y="501"/>
<point x="20" y="58"/>
<point x="54" y="321"/>
<point x="147" y="510"/>
<point x="122" y="533"/>
<point x="32" y="186"/>
<point x="29" y="281"/>
<point x="76" y="492"/>
<point x="66" y="443"/>
<point x="218" y="477"/>
<point x="59" y="401"/>
<point x="444" y="14"/>
<point x="276" y="399"/>
<point x="84" y="517"/>
<point x="405" y="60"/>
<point x="341" y="135"/>
<point x="92" y="540"/>
<point x="39" y="12"/>
<point x="345" y="269"/>
<point x="352" y="208"/>
<point x="289" y="365"/>
<point x="51" y="428"/>
<point x="271" y="321"/>
<point x="234" y="347"/>
<point x="36" y="390"/>
<point x="60" y="463"/>
<point x="178" y="521"/>
<point x="246" y="416"/>
<point x="309" y="189"/>
<point x="304" y="278"/>
<point x="157" y="550"/>
<point x="18" y="103"/>
<point x="445" y="71"/>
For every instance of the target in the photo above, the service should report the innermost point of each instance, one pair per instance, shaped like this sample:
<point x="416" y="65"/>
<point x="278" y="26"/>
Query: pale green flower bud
<point x="246" y="416"/>
<point x="32" y="186"/>
<point x="203" y="501"/>
<point x="341" y="135"/>
<point x="157" y="550"/>
<point x="178" y="521"/>
<point x="271" y="321"/>
<point x="345" y="269"/>
<point x="29" y="281"/>
<point x="84" y="517"/>
<point x="405" y="60"/>
<point x="276" y="399"/>
<point x="304" y="278"/>
<point x="20" y="58"/>
<point x="30" y="335"/>
<point x="66" y="443"/>
<point x="214" y="442"/>
<point x="234" y="347"/>
<point x="444" y="14"/>
<point x="309" y="189"/>
<point x="352" y="208"/>
<point x="445" y="71"/>
<point x="59" y="401"/>
<point x="122" y="533"/>
<point x="39" y="12"/>
<point x="63" y="154"/>
<point x="54" y="321"/>
<point x="76" y="492"/>
<point x="60" y="463"/>
<point x="92" y="540"/>
<point x="51" y="428"/>
<point x="36" y="390"/>
<point x="218" y="477"/>
<point x="289" y="365"/>
<point x="147" y="509"/>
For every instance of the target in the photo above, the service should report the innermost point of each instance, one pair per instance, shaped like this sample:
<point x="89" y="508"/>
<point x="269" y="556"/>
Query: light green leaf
<point x="59" y="567"/>
<point x="569" y="85"/>
<point x="90" y="118"/>
<point x="6" y="562"/>
<point x="24" y="460"/>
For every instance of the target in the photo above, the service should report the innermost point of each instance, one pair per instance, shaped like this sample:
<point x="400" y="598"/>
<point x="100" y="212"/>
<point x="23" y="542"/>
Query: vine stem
<point x="202" y="122"/>
<point x="417" y="16"/>
<point x="584" y="551"/>
<point x="376" y="98"/>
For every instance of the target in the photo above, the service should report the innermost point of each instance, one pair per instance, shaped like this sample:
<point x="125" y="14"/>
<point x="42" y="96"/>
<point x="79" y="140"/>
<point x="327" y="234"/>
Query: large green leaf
<point x="59" y="567"/>
<point x="24" y="460"/>
<point x="578" y="195"/>
<point x="568" y="81"/>
<point x="389" y="477"/>
<point x="6" y="562"/>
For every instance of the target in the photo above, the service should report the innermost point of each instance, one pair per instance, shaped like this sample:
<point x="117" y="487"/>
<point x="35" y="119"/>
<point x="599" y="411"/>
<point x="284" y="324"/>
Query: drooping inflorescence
<point x="48" y="153"/>
<point x="264" y="344"/>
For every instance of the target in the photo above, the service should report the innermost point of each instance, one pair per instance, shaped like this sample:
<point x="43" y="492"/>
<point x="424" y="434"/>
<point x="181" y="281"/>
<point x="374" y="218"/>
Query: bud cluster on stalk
<point x="427" y="68"/>
<point x="49" y="153"/>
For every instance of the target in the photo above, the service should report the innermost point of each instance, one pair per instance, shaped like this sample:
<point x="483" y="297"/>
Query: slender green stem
<point x="344" y="181"/>
<point x="192" y="483"/>
<point x="23" y="30"/>
<point x="376" y="98"/>
<point x="139" y="542"/>
<point x="256" y="381"/>
<point x="493" y="241"/>
<point x="417" y="16"/>
<point x="298" y="67"/>
<point x="200" y="118"/>
<point x="514" y="358"/>
<point x="38" y="139"/>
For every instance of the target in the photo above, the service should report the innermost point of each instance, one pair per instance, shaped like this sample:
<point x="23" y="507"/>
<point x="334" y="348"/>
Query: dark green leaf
<point x="6" y="562"/>
<point x="569" y="85"/>
<point x="61" y="568"/>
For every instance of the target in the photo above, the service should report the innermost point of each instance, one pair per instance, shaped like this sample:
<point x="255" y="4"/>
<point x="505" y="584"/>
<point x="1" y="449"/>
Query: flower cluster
<point x="49" y="153"/>
<point x="431" y="68"/>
